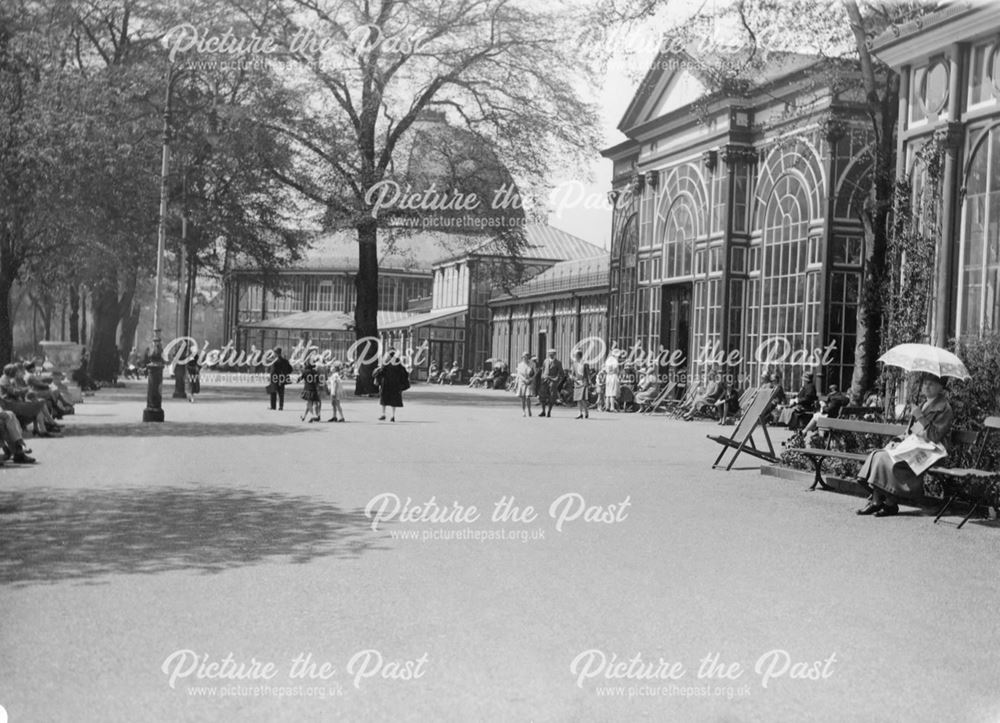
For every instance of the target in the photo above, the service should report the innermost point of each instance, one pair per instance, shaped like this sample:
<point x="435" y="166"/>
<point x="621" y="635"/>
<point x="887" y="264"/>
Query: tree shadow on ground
<point x="181" y="429"/>
<point x="49" y="535"/>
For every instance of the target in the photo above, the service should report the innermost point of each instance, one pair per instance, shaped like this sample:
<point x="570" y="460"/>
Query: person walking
<point x="281" y="374"/>
<point x="581" y="376"/>
<point x="192" y="384"/>
<point x="336" y="386"/>
<point x="526" y="372"/>
<point x="612" y="381"/>
<point x="551" y="379"/>
<point x="392" y="379"/>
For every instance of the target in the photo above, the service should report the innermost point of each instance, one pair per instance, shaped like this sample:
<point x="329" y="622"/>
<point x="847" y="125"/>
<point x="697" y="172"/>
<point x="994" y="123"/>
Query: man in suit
<point x="281" y="374"/>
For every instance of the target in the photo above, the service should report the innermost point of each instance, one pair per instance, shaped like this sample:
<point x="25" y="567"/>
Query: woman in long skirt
<point x="890" y="481"/>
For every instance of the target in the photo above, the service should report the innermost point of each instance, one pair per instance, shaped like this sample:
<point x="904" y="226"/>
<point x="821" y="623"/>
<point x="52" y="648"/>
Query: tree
<point x="502" y="70"/>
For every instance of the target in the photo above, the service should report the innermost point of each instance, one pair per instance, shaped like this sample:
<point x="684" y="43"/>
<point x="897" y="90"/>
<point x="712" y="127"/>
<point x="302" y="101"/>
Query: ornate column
<point x="950" y="134"/>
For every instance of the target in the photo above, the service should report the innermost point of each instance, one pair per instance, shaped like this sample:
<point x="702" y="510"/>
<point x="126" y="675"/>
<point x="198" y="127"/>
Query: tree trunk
<point x="84" y="339"/>
<point x="6" y="330"/>
<point x="103" y="355"/>
<point x="126" y="340"/>
<point x="366" y="306"/>
<point x="876" y="221"/>
<point x="189" y="286"/>
<point x="74" y="313"/>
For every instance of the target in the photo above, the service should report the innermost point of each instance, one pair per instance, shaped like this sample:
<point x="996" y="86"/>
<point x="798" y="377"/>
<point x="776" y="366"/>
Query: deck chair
<point x="742" y="437"/>
<point x="661" y="398"/>
<point x="675" y="407"/>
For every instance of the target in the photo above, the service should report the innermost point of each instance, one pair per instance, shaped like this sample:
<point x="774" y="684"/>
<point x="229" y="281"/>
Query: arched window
<point x="623" y="283"/>
<point x="979" y="304"/>
<point x="789" y="300"/>
<point x="678" y="238"/>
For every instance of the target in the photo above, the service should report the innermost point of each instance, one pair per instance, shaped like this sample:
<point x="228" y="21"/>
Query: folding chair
<point x="742" y="437"/>
<point x="667" y="391"/>
<point x="674" y="406"/>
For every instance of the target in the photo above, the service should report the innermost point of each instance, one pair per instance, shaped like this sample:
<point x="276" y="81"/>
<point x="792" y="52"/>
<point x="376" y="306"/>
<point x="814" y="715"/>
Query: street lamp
<point x="154" y="399"/>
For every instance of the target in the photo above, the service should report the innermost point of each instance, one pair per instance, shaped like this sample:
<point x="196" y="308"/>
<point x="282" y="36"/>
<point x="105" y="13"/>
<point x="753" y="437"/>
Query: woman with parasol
<point x="931" y="421"/>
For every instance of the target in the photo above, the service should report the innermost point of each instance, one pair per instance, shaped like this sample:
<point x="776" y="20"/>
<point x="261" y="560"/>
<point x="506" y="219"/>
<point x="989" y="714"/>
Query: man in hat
<point x="551" y="379"/>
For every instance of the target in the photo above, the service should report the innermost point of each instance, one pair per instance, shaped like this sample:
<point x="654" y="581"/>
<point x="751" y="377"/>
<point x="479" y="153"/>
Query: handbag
<point x="271" y="388"/>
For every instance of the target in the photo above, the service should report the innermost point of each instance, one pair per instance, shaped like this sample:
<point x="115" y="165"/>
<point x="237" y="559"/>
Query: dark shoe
<point x="393" y="419"/>
<point x="332" y="419"/>
<point x="888" y="511"/>
<point x="872" y="509"/>
<point x="23" y="459"/>
<point x="578" y="416"/>
<point x="382" y="418"/>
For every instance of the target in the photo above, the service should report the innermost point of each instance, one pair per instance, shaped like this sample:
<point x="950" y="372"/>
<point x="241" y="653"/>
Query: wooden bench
<point x="835" y="428"/>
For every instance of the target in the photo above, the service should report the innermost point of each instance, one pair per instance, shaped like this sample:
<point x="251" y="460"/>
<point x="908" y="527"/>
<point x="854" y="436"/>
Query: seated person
<point x="890" y="481"/>
<point x="12" y="438"/>
<point x="728" y="403"/>
<point x="16" y="397"/>
<point x="707" y="397"/>
<point x="829" y="407"/>
<point x="44" y="388"/>
<point x="649" y="388"/>
<point x="773" y="381"/>
<point x="806" y="402"/>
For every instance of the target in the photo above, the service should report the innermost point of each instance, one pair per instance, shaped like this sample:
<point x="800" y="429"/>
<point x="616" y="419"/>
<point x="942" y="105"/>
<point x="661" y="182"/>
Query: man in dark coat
<point x="281" y="374"/>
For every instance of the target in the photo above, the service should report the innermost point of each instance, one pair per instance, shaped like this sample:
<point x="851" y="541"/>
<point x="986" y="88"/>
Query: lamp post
<point x="154" y="399"/>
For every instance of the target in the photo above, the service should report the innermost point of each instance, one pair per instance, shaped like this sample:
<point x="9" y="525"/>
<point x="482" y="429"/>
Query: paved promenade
<point x="223" y="566"/>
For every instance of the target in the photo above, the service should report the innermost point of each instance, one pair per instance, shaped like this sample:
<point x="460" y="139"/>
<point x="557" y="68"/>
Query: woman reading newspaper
<point x="897" y="471"/>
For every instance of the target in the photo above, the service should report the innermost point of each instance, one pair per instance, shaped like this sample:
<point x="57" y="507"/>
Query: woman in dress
<point x="310" y="379"/>
<point x="889" y="481"/>
<point x="392" y="379"/>
<point x="580" y="374"/>
<point x="526" y="373"/>
<point x="612" y="382"/>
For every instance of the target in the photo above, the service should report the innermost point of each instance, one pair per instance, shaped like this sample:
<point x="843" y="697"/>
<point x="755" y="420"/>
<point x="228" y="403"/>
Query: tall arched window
<point x="789" y="296"/>
<point x="678" y="238"/>
<point x="623" y="283"/>
<point x="979" y="304"/>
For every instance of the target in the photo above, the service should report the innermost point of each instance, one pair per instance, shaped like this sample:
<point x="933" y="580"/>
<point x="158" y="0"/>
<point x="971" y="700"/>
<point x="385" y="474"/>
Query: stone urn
<point x="62" y="358"/>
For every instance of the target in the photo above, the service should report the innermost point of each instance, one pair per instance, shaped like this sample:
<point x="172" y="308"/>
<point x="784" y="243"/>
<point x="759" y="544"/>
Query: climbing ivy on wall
<point x="909" y="283"/>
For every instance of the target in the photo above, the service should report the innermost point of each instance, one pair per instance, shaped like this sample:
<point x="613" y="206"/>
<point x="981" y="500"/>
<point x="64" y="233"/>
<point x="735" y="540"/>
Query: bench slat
<point x="859" y="426"/>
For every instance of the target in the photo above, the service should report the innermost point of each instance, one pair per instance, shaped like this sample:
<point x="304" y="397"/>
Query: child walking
<point x="311" y="383"/>
<point x="336" y="388"/>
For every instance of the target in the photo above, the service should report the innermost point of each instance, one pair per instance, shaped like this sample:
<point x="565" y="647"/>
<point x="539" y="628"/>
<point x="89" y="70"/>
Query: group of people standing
<point x="547" y="383"/>
<point x="391" y="377"/>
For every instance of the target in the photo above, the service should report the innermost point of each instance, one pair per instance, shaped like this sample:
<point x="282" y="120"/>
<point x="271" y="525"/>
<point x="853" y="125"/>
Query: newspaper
<point x="918" y="453"/>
